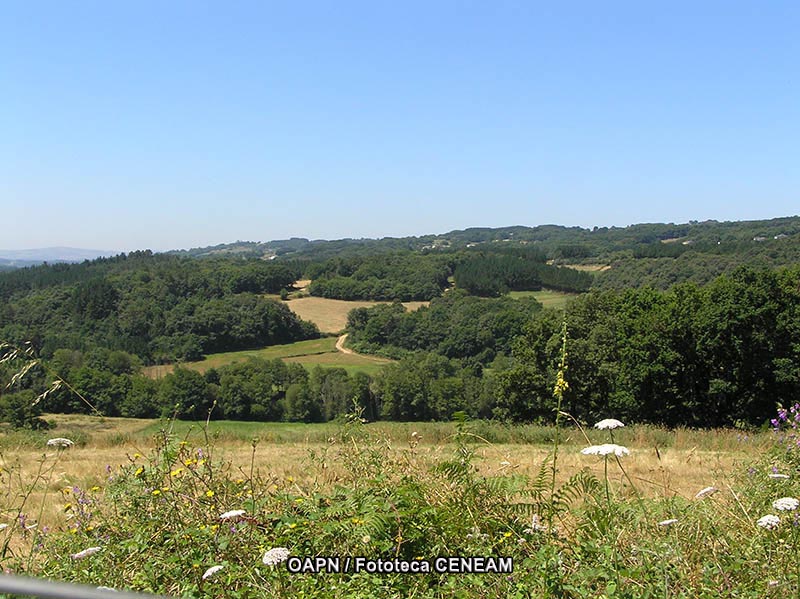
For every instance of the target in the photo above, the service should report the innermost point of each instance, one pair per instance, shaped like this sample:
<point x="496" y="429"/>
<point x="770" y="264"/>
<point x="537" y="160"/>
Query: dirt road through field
<point x="340" y="345"/>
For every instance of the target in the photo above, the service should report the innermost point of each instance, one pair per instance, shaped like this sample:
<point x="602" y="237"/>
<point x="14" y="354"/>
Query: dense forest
<point x="695" y="324"/>
<point x="159" y="307"/>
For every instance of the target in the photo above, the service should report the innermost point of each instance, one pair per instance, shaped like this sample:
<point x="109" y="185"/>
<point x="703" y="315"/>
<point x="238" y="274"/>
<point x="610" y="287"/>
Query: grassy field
<point x="665" y="462"/>
<point x="189" y="509"/>
<point x="314" y="352"/>
<point x="330" y="315"/>
<point x="547" y="297"/>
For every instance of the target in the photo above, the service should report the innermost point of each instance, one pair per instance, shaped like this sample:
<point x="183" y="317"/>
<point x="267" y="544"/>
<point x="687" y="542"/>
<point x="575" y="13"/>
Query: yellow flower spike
<point x="293" y="525"/>
<point x="299" y="500"/>
<point x="200" y="462"/>
<point x="156" y="491"/>
<point x="507" y="534"/>
<point x="136" y="456"/>
<point x="209" y="493"/>
<point x="214" y="526"/>
<point x="188" y="462"/>
<point x="139" y="470"/>
<point x="95" y="488"/>
<point x="67" y="507"/>
<point x="289" y="479"/>
<point x="183" y="443"/>
<point x="176" y="472"/>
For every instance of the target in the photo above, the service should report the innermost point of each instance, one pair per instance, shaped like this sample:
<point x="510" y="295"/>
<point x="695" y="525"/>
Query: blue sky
<point x="128" y="125"/>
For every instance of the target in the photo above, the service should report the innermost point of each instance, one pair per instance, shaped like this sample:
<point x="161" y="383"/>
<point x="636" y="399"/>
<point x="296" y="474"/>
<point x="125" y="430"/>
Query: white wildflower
<point x="706" y="492"/>
<point x="275" y="556"/>
<point x="59" y="442"/>
<point x="536" y="526"/>
<point x="777" y="476"/>
<point x="232" y="514"/>
<point x="770" y="522"/>
<point x="606" y="449"/>
<point x="786" y="504"/>
<point x="608" y="424"/>
<point x="669" y="522"/>
<point x="85" y="553"/>
<point x="211" y="571"/>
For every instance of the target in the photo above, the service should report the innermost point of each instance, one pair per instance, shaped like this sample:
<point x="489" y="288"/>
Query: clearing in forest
<point x="309" y="353"/>
<point x="547" y="297"/>
<point x="330" y="315"/>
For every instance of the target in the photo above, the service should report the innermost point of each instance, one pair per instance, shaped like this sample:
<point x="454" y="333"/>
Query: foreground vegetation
<point x="169" y="508"/>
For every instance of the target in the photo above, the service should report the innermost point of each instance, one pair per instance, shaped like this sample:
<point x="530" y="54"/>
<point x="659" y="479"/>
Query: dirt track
<point x="340" y="345"/>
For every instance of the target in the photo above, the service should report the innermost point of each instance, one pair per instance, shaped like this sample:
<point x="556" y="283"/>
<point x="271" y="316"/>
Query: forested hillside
<point x="695" y="324"/>
<point x="158" y="307"/>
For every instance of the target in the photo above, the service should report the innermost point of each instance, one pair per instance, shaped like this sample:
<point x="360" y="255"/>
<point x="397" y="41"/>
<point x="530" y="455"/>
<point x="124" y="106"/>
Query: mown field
<point x="191" y="509"/>
<point x="310" y="353"/>
<point x="330" y="315"/>
<point x="547" y="297"/>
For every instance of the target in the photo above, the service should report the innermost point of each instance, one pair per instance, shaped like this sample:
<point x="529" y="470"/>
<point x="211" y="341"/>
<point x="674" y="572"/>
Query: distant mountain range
<point x="21" y="258"/>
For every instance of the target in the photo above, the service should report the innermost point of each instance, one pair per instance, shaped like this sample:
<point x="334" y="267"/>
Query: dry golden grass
<point x="685" y="462"/>
<point x="330" y="315"/>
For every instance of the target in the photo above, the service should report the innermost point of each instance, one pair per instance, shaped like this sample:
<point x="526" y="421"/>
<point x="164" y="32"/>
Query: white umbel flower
<point x="85" y="553"/>
<point x="608" y="424"/>
<point x="606" y="449"/>
<point x="275" y="556"/>
<point x="770" y="522"/>
<point x="211" y="571"/>
<point x="706" y="492"/>
<point x="786" y="504"/>
<point x="59" y="442"/>
<point x="232" y="514"/>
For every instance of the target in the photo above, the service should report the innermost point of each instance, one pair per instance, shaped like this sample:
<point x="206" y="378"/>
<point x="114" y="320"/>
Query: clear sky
<point x="127" y="125"/>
